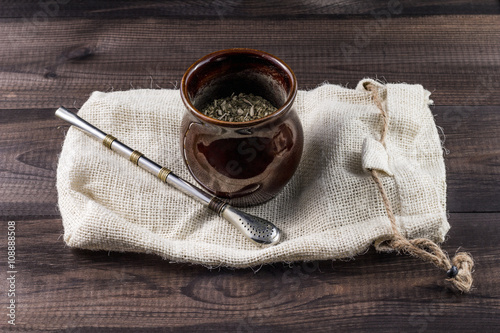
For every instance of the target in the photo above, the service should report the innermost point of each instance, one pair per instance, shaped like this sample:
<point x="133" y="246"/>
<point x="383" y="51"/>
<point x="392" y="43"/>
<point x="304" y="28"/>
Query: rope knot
<point x="464" y="265"/>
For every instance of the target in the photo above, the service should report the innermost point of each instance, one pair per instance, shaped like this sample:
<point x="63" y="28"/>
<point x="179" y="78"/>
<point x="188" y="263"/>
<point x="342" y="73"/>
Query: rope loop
<point x="459" y="269"/>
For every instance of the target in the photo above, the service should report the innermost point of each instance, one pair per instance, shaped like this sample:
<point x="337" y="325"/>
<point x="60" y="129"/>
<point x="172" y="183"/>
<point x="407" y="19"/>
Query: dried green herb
<point x="238" y="108"/>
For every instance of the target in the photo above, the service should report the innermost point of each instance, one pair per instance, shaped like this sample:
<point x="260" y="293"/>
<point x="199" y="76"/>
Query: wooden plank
<point x="29" y="151"/>
<point x="62" y="61"/>
<point x="472" y="142"/>
<point x="28" y="162"/>
<point x="59" y="288"/>
<point x="48" y="9"/>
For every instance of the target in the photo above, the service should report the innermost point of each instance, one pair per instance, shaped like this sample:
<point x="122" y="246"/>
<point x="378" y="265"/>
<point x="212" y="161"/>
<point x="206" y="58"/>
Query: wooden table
<point x="57" y="52"/>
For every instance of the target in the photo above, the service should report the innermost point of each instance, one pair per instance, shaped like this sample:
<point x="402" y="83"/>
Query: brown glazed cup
<point x="246" y="163"/>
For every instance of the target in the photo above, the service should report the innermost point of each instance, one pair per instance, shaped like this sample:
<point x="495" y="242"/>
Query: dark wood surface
<point x="56" y="53"/>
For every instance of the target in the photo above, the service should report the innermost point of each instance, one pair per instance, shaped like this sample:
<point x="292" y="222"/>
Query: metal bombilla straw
<point x="256" y="229"/>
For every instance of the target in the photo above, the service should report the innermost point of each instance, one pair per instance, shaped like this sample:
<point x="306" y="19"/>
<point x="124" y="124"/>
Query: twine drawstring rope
<point x="459" y="269"/>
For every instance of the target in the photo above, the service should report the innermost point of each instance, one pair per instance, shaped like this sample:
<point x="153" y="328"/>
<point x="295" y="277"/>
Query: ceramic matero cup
<point x="245" y="163"/>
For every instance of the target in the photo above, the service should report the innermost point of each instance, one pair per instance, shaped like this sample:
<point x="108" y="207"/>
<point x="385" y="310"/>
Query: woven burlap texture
<point x="330" y="209"/>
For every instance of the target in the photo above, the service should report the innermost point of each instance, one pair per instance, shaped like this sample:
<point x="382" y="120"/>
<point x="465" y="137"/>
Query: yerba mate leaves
<point x="239" y="108"/>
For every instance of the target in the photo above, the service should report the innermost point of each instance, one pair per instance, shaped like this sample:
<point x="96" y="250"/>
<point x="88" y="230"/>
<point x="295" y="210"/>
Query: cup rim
<point x="277" y="61"/>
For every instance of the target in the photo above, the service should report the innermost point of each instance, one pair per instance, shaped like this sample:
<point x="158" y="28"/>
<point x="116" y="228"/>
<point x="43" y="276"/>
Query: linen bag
<point x="332" y="208"/>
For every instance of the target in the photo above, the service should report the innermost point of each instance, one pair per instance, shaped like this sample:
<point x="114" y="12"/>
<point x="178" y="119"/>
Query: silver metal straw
<point x="258" y="230"/>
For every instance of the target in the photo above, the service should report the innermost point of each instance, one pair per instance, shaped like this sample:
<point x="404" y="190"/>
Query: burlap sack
<point x="330" y="209"/>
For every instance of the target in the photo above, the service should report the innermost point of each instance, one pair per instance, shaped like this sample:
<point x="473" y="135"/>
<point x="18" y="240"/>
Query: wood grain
<point x="60" y="288"/>
<point x="223" y="9"/>
<point x="455" y="57"/>
<point x="472" y="144"/>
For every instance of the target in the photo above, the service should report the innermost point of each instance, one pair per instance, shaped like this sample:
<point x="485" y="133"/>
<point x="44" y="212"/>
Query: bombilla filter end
<point x="258" y="230"/>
